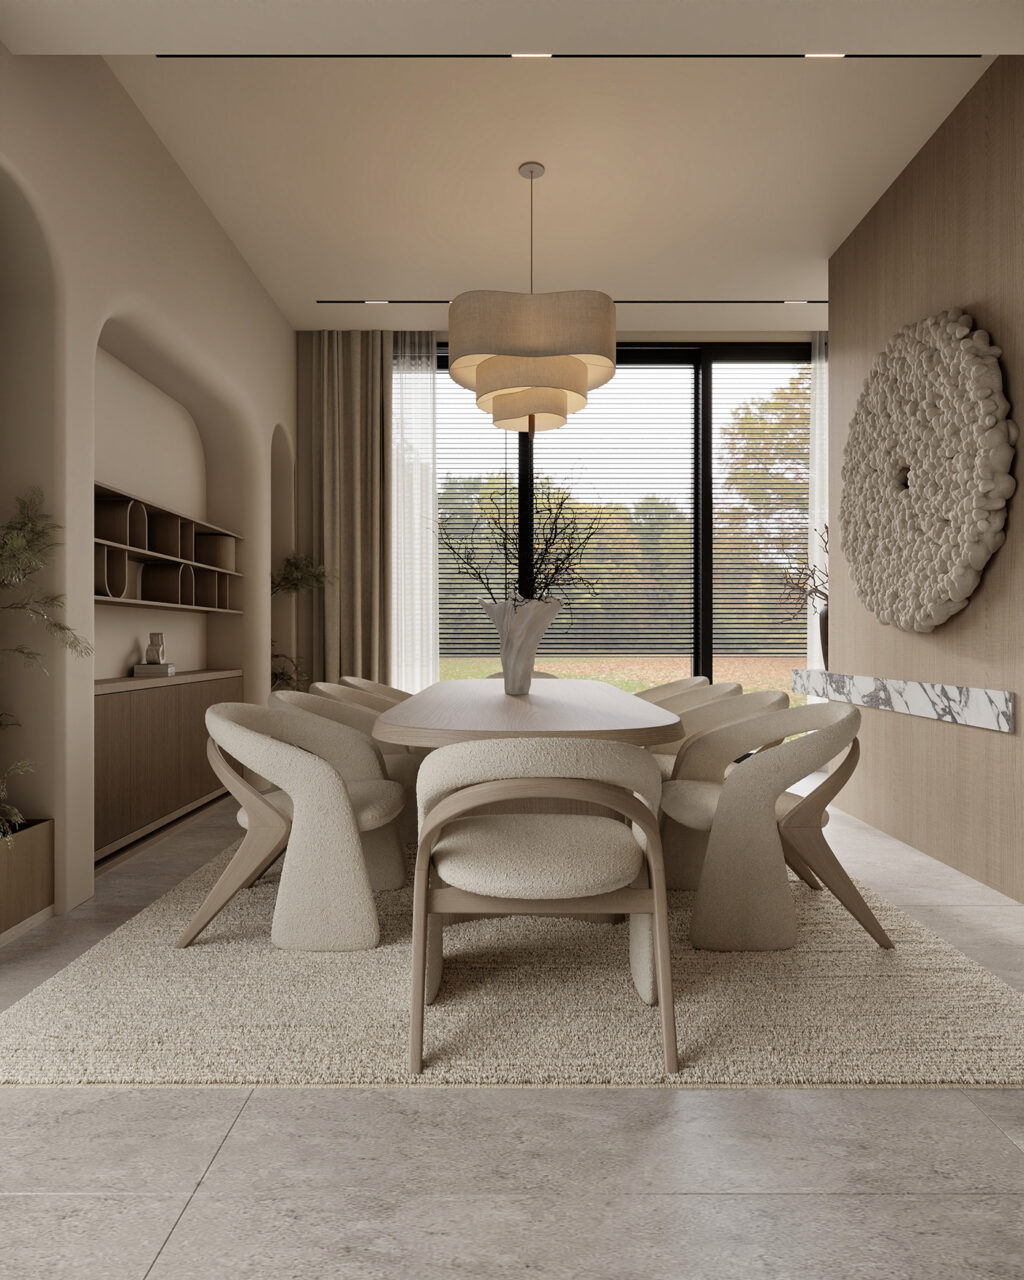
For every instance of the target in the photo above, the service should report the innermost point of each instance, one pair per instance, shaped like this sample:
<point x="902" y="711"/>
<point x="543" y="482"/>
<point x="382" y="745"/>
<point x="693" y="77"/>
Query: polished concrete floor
<point x="689" y="1185"/>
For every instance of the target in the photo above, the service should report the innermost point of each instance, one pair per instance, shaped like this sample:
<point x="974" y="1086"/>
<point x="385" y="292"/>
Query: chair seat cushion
<point x="693" y="804"/>
<point x="538" y="855"/>
<point x="375" y="803"/>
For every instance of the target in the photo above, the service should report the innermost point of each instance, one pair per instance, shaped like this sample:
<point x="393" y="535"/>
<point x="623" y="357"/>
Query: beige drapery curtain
<point x="350" y="455"/>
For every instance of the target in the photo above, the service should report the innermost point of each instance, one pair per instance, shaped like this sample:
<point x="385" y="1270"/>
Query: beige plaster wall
<point x="947" y="233"/>
<point x="142" y="268"/>
<point x="147" y="445"/>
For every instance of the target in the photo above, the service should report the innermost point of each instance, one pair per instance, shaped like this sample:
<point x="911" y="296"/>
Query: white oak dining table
<point x="463" y="710"/>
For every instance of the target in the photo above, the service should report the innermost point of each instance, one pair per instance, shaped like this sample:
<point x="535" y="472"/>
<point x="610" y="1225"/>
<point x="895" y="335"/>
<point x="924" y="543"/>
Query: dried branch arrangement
<point x="488" y="551"/>
<point x="804" y="583"/>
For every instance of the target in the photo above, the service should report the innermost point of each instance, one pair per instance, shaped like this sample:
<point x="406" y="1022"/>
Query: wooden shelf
<point x="186" y="563"/>
<point x="163" y="604"/>
<point x="122" y="684"/>
<point x="137" y="553"/>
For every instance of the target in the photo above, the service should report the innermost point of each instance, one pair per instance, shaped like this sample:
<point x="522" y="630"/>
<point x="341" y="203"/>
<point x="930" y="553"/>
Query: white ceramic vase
<point x="521" y="631"/>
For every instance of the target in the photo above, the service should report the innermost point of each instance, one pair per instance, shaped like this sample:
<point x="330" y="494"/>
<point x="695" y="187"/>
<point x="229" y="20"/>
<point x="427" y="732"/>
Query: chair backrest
<point x="688" y="700"/>
<point x="265" y="738"/>
<point x="659" y="691"/>
<point x="357" y="717"/>
<point x="827" y="729"/>
<point x="374" y="686"/>
<point x="464" y="764"/>
<point x="721" y="712"/>
<point x="535" y="675"/>
<point x="346" y="693"/>
<point x="729" y="710"/>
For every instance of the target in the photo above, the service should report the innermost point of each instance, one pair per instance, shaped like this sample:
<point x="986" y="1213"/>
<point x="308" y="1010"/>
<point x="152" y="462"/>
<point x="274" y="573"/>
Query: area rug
<point x="525" y="1001"/>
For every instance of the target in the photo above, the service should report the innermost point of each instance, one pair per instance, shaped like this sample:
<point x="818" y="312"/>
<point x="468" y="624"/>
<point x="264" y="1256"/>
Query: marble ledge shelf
<point x="979" y="708"/>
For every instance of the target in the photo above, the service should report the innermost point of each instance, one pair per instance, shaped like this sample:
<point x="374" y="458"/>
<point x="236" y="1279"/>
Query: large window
<point x="693" y="463"/>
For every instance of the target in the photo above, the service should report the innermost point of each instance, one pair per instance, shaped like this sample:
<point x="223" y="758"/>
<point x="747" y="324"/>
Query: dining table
<point x="462" y="710"/>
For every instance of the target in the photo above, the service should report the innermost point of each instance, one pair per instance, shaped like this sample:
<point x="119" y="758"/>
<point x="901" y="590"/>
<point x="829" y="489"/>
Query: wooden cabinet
<point x="151" y="751"/>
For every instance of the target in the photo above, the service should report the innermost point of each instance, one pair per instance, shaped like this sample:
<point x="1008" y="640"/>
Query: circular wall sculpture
<point x="926" y="472"/>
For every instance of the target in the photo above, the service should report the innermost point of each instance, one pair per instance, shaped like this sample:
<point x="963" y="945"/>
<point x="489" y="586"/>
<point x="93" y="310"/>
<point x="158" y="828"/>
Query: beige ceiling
<point x="388" y="178"/>
<point x="503" y="26"/>
<point x="704" y="178"/>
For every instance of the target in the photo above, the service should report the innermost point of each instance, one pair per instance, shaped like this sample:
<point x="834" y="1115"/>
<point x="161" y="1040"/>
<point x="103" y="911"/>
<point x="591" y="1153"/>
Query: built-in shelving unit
<point x="148" y="557"/>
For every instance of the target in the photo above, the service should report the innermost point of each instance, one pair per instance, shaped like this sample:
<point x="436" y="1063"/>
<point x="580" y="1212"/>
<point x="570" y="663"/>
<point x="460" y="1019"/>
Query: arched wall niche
<point x="282" y="535"/>
<point x="28" y="448"/>
<point x="237" y="449"/>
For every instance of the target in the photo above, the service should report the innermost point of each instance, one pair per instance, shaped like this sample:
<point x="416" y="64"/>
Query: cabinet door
<point x="197" y="778"/>
<point x="113" y="767"/>
<point x="156" y="743"/>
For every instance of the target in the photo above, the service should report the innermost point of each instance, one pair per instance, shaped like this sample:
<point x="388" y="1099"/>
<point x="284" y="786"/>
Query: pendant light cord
<point x="531" y="232"/>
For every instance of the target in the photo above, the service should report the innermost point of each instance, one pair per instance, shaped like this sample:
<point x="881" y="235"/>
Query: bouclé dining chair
<point x="374" y="686"/>
<point x="401" y="764"/>
<point x="710" y="715"/>
<point x="679" y="703"/>
<point x="756" y="826"/>
<point x="659" y="691"/>
<point x="348" y="693"/>
<point x="519" y="863"/>
<point x="333" y="810"/>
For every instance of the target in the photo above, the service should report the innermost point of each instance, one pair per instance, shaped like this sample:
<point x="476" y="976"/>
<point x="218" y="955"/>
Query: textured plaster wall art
<point x="926" y="472"/>
<point x="957" y="704"/>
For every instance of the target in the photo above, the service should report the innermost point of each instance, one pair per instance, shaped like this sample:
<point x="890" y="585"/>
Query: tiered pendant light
<point x="532" y="358"/>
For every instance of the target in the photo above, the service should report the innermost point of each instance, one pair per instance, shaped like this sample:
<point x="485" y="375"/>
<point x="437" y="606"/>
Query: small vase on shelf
<point x="521" y="631"/>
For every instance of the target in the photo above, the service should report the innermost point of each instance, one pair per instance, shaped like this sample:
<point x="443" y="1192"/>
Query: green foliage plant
<point x="298" y="573"/>
<point x="26" y="541"/>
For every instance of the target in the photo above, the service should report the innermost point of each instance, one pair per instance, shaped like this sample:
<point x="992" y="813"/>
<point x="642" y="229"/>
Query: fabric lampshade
<point x="533" y="354"/>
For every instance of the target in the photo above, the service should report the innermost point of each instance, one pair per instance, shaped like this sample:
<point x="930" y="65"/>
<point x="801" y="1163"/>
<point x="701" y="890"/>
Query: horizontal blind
<point x="760" y="466"/>
<point x="626" y="459"/>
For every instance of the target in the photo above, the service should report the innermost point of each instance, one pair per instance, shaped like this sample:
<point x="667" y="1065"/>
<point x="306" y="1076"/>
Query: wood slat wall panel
<point x="947" y="233"/>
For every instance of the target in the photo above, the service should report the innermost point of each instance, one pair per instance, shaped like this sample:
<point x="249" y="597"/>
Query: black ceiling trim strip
<point x="619" y="302"/>
<point x="592" y="57"/>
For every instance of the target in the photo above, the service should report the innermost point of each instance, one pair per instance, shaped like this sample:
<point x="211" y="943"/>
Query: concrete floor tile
<point x="699" y="1237"/>
<point x="1005" y="1108"/>
<point x="615" y="1141"/>
<point x="142" y="1141"/>
<point x="83" y="1237"/>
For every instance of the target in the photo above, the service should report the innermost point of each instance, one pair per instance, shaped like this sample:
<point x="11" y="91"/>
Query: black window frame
<point x="701" y="357"/>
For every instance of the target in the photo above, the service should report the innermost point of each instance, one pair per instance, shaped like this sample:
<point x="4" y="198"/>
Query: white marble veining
<point x="979" y="708"/>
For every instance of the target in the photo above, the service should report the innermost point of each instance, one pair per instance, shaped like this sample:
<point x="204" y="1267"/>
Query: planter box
<point x="26" y="873"/>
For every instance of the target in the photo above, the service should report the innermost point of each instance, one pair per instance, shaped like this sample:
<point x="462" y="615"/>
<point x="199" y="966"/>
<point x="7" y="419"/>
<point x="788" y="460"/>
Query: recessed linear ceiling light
<point x="794" y="302"/>
<point x="531" y="55"/>
<point x="376" y="302"/>
<point x="824" y="55"/>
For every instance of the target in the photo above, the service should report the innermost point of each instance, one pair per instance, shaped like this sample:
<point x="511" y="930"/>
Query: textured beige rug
<point x="524" y="1002"/>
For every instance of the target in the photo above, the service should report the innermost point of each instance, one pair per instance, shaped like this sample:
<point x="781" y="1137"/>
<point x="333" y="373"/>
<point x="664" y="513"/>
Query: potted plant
<point x="488" y="551"/>
<point x="297" y="574"/>
<point x="26" y="541"/>
<point x="805" y="584"/>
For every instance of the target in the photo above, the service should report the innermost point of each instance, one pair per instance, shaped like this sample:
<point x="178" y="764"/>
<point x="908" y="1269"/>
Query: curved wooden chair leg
<point x="814" y="849"/>
<point x="262" y="845"/>
<point x="797" y="864"/>
<point x="419" y="965"/>
<point x="663" y="968"/>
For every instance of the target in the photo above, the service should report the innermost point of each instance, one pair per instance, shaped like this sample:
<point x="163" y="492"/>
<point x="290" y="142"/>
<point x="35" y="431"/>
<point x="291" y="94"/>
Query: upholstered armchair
<point x="332" y="808"/>
<point x="472" y="859"/>
<point x="755" y="826"/>
<point x="401" y="764"/>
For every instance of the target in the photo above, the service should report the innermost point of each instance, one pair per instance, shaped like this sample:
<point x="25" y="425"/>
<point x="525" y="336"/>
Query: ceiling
<point x="719" y="185"/>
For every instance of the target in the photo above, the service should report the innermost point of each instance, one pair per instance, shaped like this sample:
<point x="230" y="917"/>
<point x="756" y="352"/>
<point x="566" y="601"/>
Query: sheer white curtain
<point x="817" y="482"/>
<point x="414" y="610"/>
